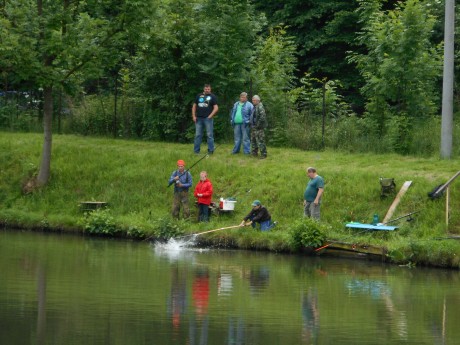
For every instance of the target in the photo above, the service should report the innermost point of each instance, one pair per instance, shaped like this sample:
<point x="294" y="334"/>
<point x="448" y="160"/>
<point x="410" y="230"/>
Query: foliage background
<point x="359" y="76"/>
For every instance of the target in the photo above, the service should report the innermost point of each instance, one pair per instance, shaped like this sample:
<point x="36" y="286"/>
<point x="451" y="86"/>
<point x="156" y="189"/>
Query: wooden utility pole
<point x="448" y="81"/>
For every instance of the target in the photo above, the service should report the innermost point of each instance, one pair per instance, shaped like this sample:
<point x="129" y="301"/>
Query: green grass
<point x="132" y="176"/>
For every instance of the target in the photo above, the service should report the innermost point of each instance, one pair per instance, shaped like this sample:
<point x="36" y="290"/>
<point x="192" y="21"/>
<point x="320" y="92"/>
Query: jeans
<point x="203" y="212"/>
<point x="241" y="131"/>
<point x="200" y="124"/>
<point x="266" y="225"/>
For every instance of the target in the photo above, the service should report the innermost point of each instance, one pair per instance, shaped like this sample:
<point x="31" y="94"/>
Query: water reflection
<point x="224" y="285"/>
<point x="62" y="290"/>
<point x="178" y="296"/>
<point x="310" y="317"/>
<point x="259" y="278"/>
<point x="199" y="321"/>
<point x="236" y="328"/>
<point x="41" y="308"/>
<point x="380" y="291"/>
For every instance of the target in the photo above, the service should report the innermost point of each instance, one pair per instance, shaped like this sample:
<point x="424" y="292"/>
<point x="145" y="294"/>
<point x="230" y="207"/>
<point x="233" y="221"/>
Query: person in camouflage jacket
<point x="258" y="124"/>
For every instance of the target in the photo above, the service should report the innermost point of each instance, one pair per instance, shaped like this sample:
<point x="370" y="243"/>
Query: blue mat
<point x="371" y="227"/>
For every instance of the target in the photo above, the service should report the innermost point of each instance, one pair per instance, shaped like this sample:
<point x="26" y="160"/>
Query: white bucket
<point x="228" y="205"/>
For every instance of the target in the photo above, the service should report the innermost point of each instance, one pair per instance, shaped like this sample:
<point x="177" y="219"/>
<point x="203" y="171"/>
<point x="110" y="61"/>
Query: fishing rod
<point x="404" y="216"/>
<point x="209" y="231"/>
<point x="202" y="233"/>
<point x="199" y="160"/>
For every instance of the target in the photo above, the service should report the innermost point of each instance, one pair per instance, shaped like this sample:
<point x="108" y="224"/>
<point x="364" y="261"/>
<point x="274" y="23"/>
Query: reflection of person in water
<point x="200" y="294"/>
<point x="201" y="291"/>
<point x="224" y="284"/>
<point x="259" y="279"/>
<point x="236" y="331"/>
<point x="310" y="316"/>
<point x="177" y="298"/>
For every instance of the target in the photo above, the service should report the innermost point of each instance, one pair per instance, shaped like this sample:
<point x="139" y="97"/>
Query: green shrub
<point x="135" y="231"/>
<point x="427" y="252"/>
<point x="306" y="232"/>
<point x="100" y="222"/>
<point x="166" y="228"/>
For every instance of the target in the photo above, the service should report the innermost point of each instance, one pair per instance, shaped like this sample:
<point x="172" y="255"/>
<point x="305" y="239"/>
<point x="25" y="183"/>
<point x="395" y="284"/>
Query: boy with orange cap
<point x="182" y="180"/>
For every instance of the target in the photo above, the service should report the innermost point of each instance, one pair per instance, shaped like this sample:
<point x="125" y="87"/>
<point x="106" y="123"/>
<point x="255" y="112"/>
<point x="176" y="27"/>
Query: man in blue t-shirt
<point x="203" y="110"/>
<point x="312" y="194"/>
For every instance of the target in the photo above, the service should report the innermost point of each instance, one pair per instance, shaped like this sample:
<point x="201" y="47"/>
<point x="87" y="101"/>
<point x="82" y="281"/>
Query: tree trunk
<point x="45" y="165"/>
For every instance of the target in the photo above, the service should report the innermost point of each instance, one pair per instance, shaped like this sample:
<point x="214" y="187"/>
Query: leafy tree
<point x="402" y="66"/>
<point x="323" y="31"/>
<point x="314" y="94"/>
<point x="272" y="72"/>
<point x="53" y="44"/>
<point x="318" y="105"/>
<point x="192" y="43"/>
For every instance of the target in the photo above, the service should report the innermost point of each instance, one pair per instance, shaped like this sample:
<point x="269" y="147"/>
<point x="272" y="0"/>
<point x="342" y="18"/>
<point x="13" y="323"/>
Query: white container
<point x="227" y="205"/>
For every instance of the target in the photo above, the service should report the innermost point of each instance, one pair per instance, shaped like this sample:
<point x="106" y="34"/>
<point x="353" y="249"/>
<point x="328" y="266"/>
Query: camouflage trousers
<point x="258" y="142"/>
<point x="181" y="198"/>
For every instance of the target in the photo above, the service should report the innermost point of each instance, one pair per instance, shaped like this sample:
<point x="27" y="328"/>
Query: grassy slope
<point x="132" y="176"/>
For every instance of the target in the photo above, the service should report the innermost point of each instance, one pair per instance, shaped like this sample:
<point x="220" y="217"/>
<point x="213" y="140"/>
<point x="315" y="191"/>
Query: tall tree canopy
<point x="55" y="44"/>
<point x="133" y="67"/>
<point x="194" y="42"/>
<point x="402" y="66"/>
<point x="323" y="31"/>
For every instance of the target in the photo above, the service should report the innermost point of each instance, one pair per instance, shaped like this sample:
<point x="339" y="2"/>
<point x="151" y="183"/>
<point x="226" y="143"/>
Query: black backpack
<point x="434" y="193"/>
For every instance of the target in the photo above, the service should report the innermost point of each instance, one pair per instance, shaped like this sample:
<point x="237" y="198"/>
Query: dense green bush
<point x="165" y="228"/>
<point x="100" y="222"/>
<point x="14" y="117"/>
<point x="93" y="116"/>
<point x="306" y="232"/>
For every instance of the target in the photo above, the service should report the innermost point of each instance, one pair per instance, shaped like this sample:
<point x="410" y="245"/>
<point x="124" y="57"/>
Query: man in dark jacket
<point x="259" y="214"/>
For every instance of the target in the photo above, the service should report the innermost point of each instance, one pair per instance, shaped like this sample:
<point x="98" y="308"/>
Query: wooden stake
<point x="396" y="201"/>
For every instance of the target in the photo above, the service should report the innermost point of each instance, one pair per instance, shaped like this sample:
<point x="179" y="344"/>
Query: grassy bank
<point x="132" y="177"/>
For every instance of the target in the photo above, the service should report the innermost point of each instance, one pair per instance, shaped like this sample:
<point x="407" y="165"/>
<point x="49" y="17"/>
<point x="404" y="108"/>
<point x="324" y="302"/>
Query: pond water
<point x="62" y="289"/>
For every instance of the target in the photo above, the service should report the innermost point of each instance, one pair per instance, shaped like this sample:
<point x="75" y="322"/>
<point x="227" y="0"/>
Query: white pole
<point x="448" y="81"/>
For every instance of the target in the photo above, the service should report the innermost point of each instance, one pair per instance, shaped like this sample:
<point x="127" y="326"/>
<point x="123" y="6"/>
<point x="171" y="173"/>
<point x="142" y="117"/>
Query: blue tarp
<point x="371" y="226"/>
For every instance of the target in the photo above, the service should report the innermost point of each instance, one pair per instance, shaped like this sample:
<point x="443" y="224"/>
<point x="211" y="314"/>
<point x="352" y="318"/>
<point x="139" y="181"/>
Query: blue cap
<point x="256" y="203"/>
